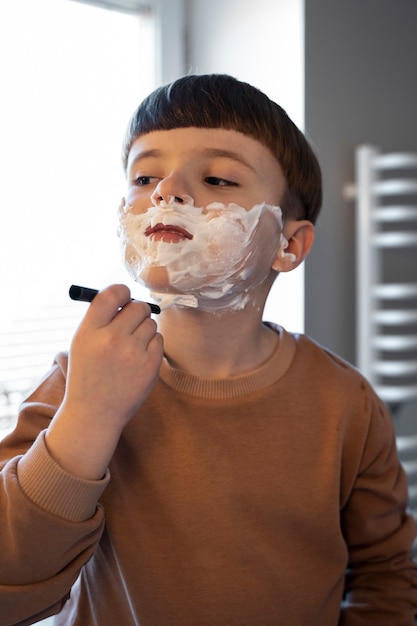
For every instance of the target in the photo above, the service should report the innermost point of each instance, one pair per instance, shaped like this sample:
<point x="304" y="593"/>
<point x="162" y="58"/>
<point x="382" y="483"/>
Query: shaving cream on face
<point x="230" y="250"/>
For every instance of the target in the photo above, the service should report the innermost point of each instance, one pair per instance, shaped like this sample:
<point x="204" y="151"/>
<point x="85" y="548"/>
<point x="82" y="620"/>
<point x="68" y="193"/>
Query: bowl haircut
<point x="221" y="101"/>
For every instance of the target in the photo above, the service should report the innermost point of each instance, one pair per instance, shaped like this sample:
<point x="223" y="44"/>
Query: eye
<point x="142" y="181"/>
<point x="219" y="182"/>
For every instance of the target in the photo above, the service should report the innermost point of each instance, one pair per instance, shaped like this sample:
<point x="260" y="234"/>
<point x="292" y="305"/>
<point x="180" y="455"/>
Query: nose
<point x="171" y="190"/>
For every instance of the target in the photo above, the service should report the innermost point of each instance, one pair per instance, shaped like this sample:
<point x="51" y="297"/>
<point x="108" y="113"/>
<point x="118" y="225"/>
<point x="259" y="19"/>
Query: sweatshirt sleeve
<point x="50" y="521"/>
<point x="381" y="581"/>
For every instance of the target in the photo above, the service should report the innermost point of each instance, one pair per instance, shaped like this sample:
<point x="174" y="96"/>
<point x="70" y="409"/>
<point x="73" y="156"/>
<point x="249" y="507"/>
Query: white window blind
<point x="71" y="75"/>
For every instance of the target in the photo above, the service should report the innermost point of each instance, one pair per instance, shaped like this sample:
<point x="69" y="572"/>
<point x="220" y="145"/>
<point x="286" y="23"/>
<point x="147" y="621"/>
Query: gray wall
<point x="360" y="87"/>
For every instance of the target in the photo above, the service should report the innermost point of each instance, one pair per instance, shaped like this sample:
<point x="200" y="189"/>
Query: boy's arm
<point x="381" y="581"/>
<point x="50" y="522"/>
<point x="49" y="517"/>
<point x="114" y="363"/>
<point x="44" y="541"/>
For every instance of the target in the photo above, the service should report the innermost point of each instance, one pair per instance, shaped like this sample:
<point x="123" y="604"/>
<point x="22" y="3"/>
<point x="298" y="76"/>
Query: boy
<point x="230" y="473"/>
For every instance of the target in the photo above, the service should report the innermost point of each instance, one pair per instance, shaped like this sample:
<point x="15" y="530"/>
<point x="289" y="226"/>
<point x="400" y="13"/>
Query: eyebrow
<point x="206" y="152"/>
<point x="227" y="154"/>
<point x="153" y="152"/>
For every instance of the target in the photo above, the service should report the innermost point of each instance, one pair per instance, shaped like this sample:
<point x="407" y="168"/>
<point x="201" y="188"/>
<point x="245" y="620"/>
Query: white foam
<point x="216" y="265"/>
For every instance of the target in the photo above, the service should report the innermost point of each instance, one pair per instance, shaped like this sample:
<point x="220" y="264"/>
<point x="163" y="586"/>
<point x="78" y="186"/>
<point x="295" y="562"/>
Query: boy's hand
<point x="114" y="357"/>
<point x="113" y="365"/>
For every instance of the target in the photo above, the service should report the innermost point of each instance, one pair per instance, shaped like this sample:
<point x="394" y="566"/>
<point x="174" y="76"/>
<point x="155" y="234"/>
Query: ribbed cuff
<point x="54" y="490"/>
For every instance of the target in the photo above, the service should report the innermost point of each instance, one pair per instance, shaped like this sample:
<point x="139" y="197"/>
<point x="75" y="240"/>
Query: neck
<point x="216" y="345"/>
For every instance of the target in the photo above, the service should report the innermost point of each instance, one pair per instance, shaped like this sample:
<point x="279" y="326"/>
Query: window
<point x="72" y="74"/>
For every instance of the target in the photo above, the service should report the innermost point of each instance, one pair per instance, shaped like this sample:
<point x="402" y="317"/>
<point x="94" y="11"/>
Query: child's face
<point x="201" y="213"/>
<point x="207" y="165"/>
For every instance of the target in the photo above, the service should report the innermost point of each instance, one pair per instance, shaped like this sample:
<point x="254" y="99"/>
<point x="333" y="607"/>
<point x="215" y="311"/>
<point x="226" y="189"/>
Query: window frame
<point x="171" y="27"/>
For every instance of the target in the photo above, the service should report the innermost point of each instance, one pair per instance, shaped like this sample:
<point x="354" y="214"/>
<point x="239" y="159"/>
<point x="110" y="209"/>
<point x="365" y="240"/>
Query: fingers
<point x="107" y="304"/>
<point x="132" y="316"/>
<point x="114" y="305"/>
<point x="114" y="312"/>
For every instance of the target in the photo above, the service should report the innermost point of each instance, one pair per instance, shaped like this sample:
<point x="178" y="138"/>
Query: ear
<point x="298" y="237"/>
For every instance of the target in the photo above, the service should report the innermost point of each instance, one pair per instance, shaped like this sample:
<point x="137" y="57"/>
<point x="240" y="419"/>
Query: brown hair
<point x="221" y="101"/>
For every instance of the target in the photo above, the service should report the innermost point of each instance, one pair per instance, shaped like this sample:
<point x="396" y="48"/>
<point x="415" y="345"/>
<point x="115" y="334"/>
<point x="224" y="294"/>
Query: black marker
<point x="85" y="294"/>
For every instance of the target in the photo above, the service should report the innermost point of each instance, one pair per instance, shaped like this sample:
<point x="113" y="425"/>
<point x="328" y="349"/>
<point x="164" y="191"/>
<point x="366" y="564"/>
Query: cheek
<point x="138" y="199"/>
<point x="265" y="244"/>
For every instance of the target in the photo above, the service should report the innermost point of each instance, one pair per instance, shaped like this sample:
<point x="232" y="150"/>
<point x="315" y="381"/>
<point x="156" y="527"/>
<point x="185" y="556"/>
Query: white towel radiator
<point x="386" y="272"/>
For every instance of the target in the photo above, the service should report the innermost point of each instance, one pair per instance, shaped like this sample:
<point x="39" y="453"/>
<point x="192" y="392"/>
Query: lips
<point x="168" y="229"/>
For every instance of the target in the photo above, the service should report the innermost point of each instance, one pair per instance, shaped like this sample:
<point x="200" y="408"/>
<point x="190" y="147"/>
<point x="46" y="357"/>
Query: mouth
<point x="167" y="232"/>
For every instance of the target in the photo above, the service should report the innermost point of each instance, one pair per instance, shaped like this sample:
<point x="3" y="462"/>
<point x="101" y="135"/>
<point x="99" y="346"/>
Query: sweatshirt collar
<point x="262" y="377"/>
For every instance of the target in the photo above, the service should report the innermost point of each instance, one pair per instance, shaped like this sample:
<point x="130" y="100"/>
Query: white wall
<point x="262" y="43"/>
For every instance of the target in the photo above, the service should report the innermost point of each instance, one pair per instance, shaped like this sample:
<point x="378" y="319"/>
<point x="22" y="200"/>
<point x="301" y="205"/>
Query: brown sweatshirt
<point x="274" y="498"/>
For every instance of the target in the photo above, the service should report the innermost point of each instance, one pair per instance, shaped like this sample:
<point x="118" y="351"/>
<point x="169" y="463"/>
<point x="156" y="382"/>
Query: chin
<point x="155" y="279"/>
